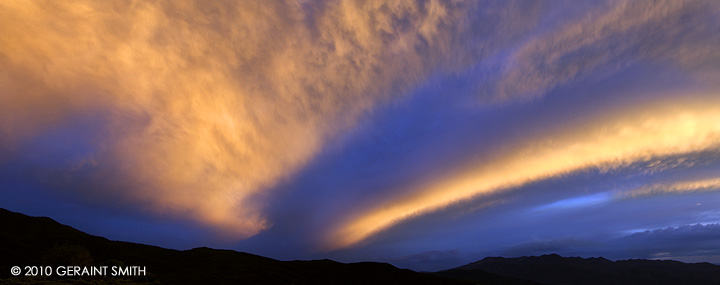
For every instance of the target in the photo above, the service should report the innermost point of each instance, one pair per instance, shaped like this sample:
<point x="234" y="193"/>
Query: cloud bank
<point x="607" y="142"/>
<point x="210" y="104"/>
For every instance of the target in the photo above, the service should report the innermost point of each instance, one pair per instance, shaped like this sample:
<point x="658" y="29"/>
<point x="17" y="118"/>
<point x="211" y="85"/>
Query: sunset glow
<point x="364" y="130"/>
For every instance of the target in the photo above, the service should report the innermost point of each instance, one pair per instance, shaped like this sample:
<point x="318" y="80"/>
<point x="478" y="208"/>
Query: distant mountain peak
<point x="555" y="269"/>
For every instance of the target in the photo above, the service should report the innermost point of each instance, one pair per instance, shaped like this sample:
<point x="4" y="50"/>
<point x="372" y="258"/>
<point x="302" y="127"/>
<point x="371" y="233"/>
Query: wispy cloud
<point x="676" y="187"/>
<point x="611" y="141"/>
<point x="210" y="104"/>
<point x="688" y="243"/>
<point x="610" y="38"/>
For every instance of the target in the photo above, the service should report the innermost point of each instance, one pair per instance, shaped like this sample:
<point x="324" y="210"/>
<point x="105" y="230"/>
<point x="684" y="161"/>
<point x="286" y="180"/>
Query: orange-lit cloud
<point x="207" y="105"/>
<point x="619" y="138"/>
<point x="698" y="185"/>
<point x="211" y="103"/>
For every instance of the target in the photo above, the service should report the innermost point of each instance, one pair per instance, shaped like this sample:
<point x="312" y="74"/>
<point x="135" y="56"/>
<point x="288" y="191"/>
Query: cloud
<point x="208" y="105"/>
<point x="613" y="140"/>
<point x="688" y="243"/>
<point x="610" y="38"/>
<point x="678" y="243"/>
<point x="200" y="109"/>
<point x="577" y="202"/>
<point x="604" y="41"/>
<point x="676" y="187"/>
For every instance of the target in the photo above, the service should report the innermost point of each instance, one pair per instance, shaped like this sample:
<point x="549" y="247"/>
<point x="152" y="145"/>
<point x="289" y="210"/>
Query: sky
<point x="427" y="134"/>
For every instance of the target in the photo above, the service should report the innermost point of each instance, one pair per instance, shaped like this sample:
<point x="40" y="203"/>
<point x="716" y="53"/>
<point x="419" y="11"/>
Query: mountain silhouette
<point x="554" y="269"/>
<point x="40" y="241"/>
